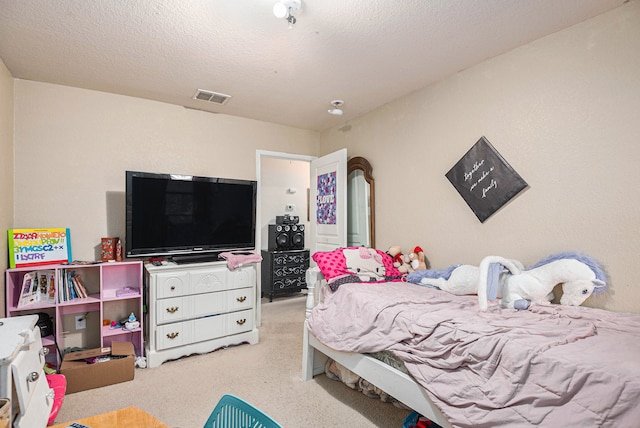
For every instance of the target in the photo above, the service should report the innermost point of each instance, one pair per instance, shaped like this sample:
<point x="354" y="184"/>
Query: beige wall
<point x="73" y="147"/>
<point x="6" y="167"/>
<point x="563" y="111"/>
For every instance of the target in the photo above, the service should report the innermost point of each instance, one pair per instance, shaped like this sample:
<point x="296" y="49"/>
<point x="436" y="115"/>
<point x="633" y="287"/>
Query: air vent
<point x="212" y="97"/>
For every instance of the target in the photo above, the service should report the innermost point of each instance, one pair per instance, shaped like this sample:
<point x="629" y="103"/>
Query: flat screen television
<point x="187" y="217"/>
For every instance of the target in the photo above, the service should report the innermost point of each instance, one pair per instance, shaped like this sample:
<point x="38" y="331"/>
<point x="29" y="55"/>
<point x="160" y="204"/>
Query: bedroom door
<point x="328" y="202"/>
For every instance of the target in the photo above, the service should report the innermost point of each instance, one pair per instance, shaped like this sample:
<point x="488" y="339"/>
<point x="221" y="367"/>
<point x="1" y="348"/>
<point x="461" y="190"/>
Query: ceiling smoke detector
<point x="337" y="107"/>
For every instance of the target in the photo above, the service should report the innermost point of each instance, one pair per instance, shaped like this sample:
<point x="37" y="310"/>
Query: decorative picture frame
<point x="485" y="180"/>
<point x="326" y="200"/>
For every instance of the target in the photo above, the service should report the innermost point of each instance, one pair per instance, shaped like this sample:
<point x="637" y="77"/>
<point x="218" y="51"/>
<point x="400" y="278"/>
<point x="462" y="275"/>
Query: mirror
<point x="360" y="210"/>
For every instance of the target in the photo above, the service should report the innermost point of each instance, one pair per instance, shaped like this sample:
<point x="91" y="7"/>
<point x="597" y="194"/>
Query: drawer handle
<point x="172" y="335"/>
<point x="241" y="299"/>
<point x="33" y="376"/>
<point x="44" y="351"/>
<point x="173" y="309"/>
<point x="242" y="321"/>
<point x="173" y="288"/>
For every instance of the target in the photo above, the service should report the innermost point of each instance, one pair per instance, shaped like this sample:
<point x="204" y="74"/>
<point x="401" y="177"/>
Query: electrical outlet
<point x="290" y="207"/>
<point x="81" y="322"/>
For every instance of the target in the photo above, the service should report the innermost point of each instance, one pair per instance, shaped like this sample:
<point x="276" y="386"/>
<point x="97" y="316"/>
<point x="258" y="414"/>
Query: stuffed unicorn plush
<point x="458" y="279"/>
<point x="517" y="287"/>
<point x="580" y="276"/>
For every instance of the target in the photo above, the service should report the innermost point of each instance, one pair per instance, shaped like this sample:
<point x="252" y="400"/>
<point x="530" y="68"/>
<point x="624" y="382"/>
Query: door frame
<point x="259" y="155"/>
<point x="270" y="154"/>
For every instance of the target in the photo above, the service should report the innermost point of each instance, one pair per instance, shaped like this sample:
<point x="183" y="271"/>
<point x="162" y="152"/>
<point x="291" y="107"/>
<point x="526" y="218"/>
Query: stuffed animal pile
<point x="407" y="263"/>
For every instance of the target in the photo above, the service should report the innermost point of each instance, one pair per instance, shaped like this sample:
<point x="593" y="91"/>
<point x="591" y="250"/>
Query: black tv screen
<point x="168" y="214"/>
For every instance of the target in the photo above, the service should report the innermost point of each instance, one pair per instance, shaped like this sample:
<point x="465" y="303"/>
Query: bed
<point x="552" y="365"/>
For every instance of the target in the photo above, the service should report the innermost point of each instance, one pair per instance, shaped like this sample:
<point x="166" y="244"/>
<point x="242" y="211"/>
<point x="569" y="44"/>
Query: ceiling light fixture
<point x="286" y="9"/>
<point x="337" y="107"/>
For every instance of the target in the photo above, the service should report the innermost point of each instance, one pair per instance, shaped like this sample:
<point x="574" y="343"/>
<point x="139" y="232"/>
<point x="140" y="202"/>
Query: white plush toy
<point x="580" y="276"/>
<point x="457" y="279"/>
<point x="517" y="287"/>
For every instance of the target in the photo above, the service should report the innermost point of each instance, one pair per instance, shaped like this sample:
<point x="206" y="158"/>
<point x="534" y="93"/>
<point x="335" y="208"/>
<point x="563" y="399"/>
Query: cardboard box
<point x="82" y="375"/>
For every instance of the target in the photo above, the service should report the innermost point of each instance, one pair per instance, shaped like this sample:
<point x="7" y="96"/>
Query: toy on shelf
<point x="132" y="323"/>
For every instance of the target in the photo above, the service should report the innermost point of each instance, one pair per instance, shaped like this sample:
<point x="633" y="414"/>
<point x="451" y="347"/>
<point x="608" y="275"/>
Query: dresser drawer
<point x="289" y="282"/>
<point x="173" y="310"/>
<point x="174" y="335"/>
<point x="211" y="303"/>
<point x="200" y="281"/>
<point x="239" y="322"/>
<point x="208" y="280"/>
<point x="242" y="298"/>
<point x="172" y="284"/>
<point x="243" y="277"/>
<point x="223" y="325"/>
<point x="187" y="307"/>
<point x="209" y="328"/>
<point x="288" y="258"/>
<point x="281" y="271"/>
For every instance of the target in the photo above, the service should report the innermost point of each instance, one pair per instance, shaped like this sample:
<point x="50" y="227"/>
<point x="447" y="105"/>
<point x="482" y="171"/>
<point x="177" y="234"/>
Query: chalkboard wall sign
<point x="485" y="180"/>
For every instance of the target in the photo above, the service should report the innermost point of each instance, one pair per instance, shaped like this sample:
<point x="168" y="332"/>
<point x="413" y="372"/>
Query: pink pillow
<point x="333" y="263"/>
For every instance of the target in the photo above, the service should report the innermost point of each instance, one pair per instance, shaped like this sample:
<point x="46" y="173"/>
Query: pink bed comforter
<point x="551" y="366"/>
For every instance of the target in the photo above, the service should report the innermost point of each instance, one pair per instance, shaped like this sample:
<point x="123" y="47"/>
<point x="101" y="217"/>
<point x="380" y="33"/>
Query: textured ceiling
<point x="365" y="52"/>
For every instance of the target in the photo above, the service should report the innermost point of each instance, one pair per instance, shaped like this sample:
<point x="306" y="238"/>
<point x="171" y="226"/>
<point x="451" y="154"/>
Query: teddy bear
<point x="416" y="259"/>
<point x="400" y="261"/>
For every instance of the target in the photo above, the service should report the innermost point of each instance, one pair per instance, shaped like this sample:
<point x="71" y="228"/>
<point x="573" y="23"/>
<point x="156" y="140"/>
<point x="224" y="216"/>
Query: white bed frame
<point x="392" y="381"/>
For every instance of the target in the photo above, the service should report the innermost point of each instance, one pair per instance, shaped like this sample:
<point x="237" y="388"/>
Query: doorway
<point x="283" y="183"/>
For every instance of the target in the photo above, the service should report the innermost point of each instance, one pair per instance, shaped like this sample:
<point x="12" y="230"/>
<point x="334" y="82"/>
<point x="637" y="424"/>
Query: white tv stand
<point x="198" y="308"/>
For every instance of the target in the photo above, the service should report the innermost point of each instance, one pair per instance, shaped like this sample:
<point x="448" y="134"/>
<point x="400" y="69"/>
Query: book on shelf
<point x="37" y="286"/>
<point x="47" y="286"/>
<point x="27" y="294"/>
<point x="71" y="286"/>
<point x="80" y="289"/>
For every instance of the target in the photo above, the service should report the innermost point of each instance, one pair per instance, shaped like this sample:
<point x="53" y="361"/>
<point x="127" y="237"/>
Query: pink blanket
<point x="237" y="259"/>
<point x="550" y="366"/>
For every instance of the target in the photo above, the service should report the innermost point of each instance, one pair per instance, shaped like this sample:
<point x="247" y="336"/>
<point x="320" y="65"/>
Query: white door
<point x="328" y="202"/>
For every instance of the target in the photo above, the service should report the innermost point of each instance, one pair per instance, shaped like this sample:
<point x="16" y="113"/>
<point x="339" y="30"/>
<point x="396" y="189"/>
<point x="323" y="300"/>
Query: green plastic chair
<point x="234" y="412"/>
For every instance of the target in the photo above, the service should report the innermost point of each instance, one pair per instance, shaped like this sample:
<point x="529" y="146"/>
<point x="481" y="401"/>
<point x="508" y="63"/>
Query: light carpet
<point x="182" y="393"/>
